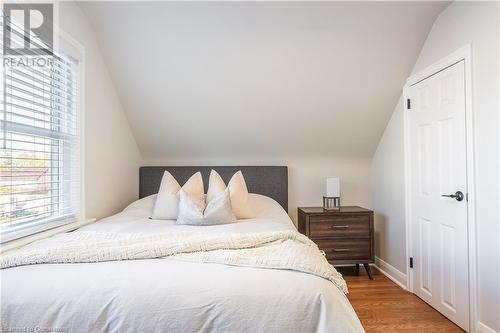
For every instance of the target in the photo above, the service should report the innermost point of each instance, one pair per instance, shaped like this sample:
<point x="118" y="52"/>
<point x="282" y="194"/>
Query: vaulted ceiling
<point x="220" y="79"/>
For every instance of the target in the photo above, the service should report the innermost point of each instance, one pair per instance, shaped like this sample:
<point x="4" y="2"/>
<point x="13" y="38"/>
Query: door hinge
<point x="411" y="262"/>
<point x="408" y="104"/>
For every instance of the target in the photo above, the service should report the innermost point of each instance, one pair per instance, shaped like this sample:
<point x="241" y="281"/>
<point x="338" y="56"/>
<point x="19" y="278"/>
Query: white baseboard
<point x="483" y="328"/>
<point x="391" y="272"/>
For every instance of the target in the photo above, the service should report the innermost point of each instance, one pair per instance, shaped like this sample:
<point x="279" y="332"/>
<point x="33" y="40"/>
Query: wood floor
<point x="382" y="306"/>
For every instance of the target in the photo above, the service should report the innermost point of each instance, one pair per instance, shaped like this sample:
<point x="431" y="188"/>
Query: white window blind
<point x="39" y="140"/>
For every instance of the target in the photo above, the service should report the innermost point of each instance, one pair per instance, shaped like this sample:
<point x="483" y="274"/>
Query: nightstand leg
<point x="368" y="271"/>
<point x="357" y="269"/>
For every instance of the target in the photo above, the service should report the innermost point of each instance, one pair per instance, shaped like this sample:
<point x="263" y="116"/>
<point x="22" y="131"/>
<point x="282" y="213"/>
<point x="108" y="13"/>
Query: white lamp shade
<point x="332" y="187"/>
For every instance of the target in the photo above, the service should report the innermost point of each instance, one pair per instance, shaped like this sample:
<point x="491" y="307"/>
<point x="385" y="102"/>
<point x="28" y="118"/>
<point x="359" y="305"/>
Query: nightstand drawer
<point x="345" y="249"/>
<point x="339" y="226"/>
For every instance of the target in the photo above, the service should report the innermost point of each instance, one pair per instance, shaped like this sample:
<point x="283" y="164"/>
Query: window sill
<point x="43" y="234"/>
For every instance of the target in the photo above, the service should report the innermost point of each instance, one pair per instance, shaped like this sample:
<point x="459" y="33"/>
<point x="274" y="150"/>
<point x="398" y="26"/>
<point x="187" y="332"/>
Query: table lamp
<point x="331" y="199"/>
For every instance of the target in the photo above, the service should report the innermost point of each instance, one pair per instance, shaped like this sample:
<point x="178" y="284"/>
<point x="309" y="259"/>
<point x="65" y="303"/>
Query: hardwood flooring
<point x="382" y="306"/>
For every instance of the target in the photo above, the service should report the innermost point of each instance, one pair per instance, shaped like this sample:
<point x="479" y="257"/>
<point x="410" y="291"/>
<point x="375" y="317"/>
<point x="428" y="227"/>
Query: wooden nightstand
<point x="346" y="234"/>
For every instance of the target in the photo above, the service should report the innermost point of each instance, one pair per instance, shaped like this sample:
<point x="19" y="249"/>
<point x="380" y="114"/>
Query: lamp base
<point x="331" y="203"/>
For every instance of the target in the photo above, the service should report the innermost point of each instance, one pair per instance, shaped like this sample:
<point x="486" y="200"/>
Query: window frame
<point x="64" y="43"/>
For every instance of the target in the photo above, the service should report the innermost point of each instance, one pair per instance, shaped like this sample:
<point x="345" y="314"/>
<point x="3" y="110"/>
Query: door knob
<point x="458" y="195"/>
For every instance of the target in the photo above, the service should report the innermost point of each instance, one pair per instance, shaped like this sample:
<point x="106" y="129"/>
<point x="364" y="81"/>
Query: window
<point x="39" y="141"/>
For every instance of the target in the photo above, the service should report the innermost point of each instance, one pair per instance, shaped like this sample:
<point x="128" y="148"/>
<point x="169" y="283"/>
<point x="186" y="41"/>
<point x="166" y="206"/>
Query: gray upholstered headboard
<point x="271" y="181"/>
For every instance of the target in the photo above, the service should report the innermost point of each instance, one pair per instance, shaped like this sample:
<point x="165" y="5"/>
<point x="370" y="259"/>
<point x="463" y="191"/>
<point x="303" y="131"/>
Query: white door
<point x="437" y="138"/>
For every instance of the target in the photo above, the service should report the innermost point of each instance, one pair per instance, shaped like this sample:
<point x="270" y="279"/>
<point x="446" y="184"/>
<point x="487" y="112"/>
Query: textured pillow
<point x="167" y="202"/>
<point x="194" y="212"/>
<point x="238" y="193"/>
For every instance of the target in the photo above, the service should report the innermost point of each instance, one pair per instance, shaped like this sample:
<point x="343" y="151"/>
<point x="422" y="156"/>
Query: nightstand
<point x="345" y="234"/>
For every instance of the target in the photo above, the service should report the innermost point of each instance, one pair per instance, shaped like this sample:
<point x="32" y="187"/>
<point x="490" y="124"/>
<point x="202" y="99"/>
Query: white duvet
<point x="173" y="294"/>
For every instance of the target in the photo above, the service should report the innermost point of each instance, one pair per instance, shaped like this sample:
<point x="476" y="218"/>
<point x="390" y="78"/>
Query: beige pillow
<point x="167" y="202"/>
<point x="238" y="193"/>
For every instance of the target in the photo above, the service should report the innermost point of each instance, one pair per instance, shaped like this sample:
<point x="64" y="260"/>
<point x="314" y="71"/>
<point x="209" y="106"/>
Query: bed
<point x="175" y="293"/>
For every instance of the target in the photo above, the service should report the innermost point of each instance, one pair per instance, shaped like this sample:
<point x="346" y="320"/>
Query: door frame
<point x="462" y="54"/>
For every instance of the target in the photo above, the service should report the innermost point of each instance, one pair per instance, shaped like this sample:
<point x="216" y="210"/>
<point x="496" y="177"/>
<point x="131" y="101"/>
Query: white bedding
<point x="164" y="295"/>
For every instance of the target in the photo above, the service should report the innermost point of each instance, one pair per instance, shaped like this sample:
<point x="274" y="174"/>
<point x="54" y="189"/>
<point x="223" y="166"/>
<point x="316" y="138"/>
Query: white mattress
<point x="171" y="295"/>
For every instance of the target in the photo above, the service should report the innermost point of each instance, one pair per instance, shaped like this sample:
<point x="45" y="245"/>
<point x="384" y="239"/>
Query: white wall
<point x="112" y="158"/>
<point x="276" y="78"/>
<point x="461" y="23"/>
<point x="305" y="177"/>
<point x="263" y="83"/>
<point x="387" y="174"/>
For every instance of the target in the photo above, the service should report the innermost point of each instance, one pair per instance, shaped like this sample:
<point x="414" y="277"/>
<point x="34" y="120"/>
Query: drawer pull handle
<point x="340" y="250"/>
<point x="340" y="226"/>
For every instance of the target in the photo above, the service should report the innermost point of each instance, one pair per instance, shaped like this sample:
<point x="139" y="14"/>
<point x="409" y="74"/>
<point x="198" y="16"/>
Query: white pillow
<point x="238" y="193"/>
<point x="145" y="204"/>
<point x="167" y="202"/>
<point x="194" y="212"/>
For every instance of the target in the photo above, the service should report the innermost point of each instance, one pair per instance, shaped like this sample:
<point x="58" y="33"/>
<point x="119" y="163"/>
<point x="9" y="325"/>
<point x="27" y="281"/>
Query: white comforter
<point x="164" y="295"/>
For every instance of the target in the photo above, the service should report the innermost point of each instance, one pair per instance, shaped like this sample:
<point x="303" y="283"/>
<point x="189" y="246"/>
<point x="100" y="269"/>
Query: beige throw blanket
<point x="277" y="250"/>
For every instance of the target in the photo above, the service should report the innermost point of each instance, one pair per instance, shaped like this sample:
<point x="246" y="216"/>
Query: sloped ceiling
<point x="221" y="79"/>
